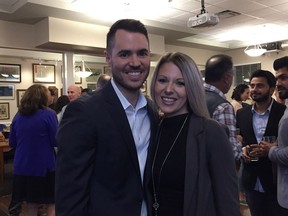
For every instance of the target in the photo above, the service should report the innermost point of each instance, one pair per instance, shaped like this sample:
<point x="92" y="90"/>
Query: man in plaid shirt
<point x="219" y="73"/>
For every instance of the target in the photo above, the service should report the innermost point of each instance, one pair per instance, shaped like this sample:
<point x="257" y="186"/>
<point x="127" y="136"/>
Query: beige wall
<point x="23" y="36"/>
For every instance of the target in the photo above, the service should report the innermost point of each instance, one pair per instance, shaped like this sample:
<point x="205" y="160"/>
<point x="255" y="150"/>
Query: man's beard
<point x="283" y="93"/>
<point x="262" y="98"/>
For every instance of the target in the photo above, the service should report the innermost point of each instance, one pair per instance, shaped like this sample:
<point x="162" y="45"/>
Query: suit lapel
<point x="118" y="114"/>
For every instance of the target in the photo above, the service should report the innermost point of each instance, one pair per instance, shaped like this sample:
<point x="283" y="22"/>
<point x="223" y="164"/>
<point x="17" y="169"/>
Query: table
<point x="4" y="147"/>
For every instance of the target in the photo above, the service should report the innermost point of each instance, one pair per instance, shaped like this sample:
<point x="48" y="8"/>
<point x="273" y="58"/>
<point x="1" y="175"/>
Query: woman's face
<point x="170" y="91"/>
<point x="245" y="94"/>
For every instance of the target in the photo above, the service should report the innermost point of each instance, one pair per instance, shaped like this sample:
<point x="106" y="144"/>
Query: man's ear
<point x="226" y="77"/>
<point x="107" y="57"/>
<point x="272" y="90"/>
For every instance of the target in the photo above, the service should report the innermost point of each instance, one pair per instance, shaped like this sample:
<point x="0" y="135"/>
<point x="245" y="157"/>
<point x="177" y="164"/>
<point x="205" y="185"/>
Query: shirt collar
<point x="142" y="102"/>
<point x="268" y="109"/>
<point x="212" y="88"/>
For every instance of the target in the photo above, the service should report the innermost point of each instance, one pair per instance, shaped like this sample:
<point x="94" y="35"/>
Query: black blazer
<point x="97" y="169"/>
<point x="263" y="167"/>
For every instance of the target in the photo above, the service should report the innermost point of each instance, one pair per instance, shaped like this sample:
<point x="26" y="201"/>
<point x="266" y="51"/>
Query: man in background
<point x="279" y="153"/>
<point x="219" y="73"/>
<point x="102" y="81"/>
<point x="256" y="121"/>
<point x="73" y="92"/>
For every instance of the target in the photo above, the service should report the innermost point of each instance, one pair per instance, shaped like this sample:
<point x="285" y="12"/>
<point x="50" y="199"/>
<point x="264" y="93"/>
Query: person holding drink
<point x="256" y="122"/>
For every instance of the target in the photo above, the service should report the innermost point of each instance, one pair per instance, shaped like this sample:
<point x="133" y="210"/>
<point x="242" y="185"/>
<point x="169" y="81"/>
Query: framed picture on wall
<point x="4" y="111"/>
<point x="43" y="73"/>
<point x="19" y="95"/>
<point x="107" y="70"/>
<point x="10" y="73"/>
<point x="7" y="92"/>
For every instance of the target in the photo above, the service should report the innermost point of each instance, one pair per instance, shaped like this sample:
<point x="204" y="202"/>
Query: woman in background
<point x="62" y="101"/>
<point x="32" y="135"/>
<point x="193" y="171"/>
<point x="240" y="93"/>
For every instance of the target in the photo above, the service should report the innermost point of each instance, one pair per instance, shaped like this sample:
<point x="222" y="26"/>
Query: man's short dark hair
<point x="129" y="25"/>
<point x="280" y="63"/>
<point x="216" y="66"/>
<point x="269" y="76"/>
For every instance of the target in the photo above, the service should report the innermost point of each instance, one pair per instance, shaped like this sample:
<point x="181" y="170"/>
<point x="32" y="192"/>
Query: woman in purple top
<point x="32" y="135"/>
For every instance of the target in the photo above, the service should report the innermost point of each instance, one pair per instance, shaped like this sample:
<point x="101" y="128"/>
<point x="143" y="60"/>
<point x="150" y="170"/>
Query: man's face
<point x="73" y="93"/>
<point x="129" y="60"/>
<point x="282" y="82"/>
<point x="260" y="90"/>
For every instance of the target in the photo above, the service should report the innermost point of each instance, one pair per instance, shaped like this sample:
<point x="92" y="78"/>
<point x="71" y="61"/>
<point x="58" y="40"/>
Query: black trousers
<point x="263" y="204"/>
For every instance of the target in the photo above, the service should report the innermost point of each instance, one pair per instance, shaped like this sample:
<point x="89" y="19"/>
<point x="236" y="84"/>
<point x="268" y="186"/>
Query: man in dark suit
<point x="104" y="141"/>
<point x="255" y="121"/>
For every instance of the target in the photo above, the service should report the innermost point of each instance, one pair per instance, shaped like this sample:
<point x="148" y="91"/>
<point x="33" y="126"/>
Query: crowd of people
<point x="117" y="156"/>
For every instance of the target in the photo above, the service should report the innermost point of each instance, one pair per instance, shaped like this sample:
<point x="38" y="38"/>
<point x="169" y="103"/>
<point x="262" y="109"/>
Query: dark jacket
<point x="97" y="165"/>
<point x="210" y="178"/>
<point x="263" y="167"/>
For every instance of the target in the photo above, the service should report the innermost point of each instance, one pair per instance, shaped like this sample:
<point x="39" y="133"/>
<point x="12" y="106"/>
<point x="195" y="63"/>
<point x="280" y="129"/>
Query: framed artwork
<point x="107" y="70"/>
<point x="4" y="111"/>
<point x="19" y="95"/>
<point x="43" y="73"/>
<point x="7" y="92"/>
<point x="91" y="86"/>
<point x="10" y="73"/>
<point x="78" y="80"/>
<point x="95" y="74"/>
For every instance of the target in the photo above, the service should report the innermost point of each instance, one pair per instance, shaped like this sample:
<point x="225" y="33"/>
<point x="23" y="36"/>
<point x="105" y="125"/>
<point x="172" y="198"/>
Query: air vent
<point x="227" y="14"/>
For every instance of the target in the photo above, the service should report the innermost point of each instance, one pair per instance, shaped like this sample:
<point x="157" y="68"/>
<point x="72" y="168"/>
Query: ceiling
<point x="256" y="21"/>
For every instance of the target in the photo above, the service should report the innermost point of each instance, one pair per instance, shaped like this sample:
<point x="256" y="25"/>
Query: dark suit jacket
<point x="263" y="167"/>
<point x="97" y="166"/>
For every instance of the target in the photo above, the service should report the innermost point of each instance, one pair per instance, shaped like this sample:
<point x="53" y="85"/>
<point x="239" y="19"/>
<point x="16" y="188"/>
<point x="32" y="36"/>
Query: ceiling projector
<point x="203" y="20"/>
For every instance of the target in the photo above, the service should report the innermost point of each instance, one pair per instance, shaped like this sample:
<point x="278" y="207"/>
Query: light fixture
<point x="255" y="50"/>
<point x="17" y="76"/>
<point x="5" y="75"/>
<point x="83" y="73"/>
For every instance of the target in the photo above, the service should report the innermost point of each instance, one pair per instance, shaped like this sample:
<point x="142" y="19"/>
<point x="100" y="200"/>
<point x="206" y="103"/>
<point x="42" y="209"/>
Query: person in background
<point x="240" y="93"/>
<point x="255" y="121"/>
<point x="190" y="176"/>
<point x="102" y="81"/>
<point x="219" y="73"/>
<point x="104" y="152"/>
<point x="51" y="98"/>
<point x="278" y="152"/>
<point x="86" y="92"/>
<point x="62" y="101"/>
<point x="32" y="134"/>
<point x="73" y="92"/>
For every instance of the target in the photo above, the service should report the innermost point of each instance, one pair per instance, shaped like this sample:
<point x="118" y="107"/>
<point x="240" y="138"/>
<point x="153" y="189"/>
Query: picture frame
<point x="19" y="95"/>
<point x="7" y="92"/>
<point x="96" y="72"/>
<point x="4" y="111"/>
<point x="43" y="73"/>
<point x="107" y="70"/>
<point x="78" y="80"/>
<point x="10" y="73"/>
